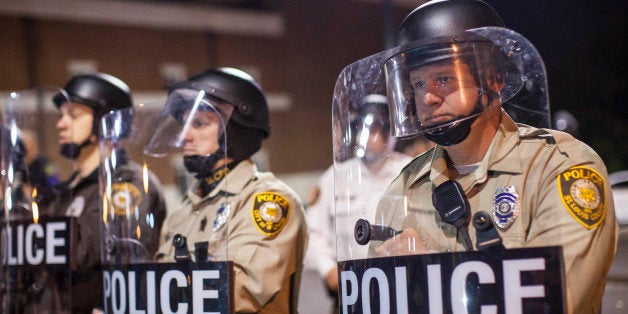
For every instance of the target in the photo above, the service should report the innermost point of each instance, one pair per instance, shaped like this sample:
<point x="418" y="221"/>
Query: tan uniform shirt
<point x="256" y="221"/>
<point x="562" y="195"/>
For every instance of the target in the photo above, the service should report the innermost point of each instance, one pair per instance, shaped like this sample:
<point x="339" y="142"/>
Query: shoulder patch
<point x="582" y="191"/>
<point x="270" y="212"/>
<point x="124" y="197"/>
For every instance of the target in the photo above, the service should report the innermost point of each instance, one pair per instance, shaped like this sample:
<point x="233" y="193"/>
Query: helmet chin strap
<point x="73" y="150"/>
<point x="451" y="134"/>
<point x="454" y="133"/>
<point x="202" y="166"/>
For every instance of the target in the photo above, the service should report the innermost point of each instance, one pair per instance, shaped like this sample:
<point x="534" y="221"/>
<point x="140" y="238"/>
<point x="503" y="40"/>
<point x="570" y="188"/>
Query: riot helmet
<point x="235" y="98"/>
<point x="101" y="93"/>
<point x="372" y="129"/>
<point x="439" y="62"/>
<point x="446" y="18"/>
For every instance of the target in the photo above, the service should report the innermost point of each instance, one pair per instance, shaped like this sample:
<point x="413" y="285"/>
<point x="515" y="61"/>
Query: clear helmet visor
<point x="192" y="122"/>
<point x="437" y="84"/>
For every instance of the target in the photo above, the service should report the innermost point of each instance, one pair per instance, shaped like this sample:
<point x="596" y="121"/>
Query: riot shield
<point x="180" y="274"/>
<point x="37" y="246"/>
<point x="364" y="164"/>
<point x="428" y="276"/>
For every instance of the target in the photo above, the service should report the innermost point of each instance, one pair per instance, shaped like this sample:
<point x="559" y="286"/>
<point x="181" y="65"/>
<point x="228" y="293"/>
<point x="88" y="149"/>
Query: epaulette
<point x="528" y="132"/>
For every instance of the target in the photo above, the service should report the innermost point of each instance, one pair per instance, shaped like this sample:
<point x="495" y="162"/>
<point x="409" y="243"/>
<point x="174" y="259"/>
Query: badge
<point x="582" y="191"/>
<point x="76" y="207"/>
<point x="270" y="212"/>
<point x="222" y="215"/>
<point x="124" y="198"/>
<point x="505" y="206"/>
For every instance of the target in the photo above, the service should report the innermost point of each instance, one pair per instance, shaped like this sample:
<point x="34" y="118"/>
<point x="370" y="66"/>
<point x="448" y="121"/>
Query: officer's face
<point x="201" y="137"/>
<point x="372" y="139"/>
<point x="75" y="123"/>
<point x="443" y="91"/>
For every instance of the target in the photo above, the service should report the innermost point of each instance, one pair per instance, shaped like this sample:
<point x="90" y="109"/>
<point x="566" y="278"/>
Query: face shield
<point x="31" y="170"/>
<point x="438" y="84"/>
<point x="192" y="122"/>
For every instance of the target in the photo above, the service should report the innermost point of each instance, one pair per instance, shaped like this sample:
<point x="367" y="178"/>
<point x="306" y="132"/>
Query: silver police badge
<point x="505" y="206"/>
<point x="222" y="215"/>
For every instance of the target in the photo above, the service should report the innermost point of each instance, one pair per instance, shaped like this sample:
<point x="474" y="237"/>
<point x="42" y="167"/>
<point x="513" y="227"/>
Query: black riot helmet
<point x="437" y="33"/>
<point x="99" y="91"/>
<point x="446" y="18"/>
<point x="249" y="122"/>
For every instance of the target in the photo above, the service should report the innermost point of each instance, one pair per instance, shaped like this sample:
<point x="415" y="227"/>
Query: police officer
<point x="374" y="162"/>
<point x="542" y="187"/>
<point x="241" y="214"/>
<point x="43" y="174"/>
<point x="90" y="97"/>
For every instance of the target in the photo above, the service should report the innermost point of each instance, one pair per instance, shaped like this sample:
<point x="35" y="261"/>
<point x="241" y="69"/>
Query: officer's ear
<point x="93" y="138"/>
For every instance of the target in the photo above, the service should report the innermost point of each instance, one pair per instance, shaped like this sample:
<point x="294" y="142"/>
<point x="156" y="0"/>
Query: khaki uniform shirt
<point x="254" y="220"/>
<point x="562" y="195"/>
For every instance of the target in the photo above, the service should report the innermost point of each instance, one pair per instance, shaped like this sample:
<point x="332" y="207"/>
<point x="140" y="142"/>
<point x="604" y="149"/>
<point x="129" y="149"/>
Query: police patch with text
<point x="270" y="212"/>
<point x="125" y="197"/>
<point x="582" y="192"/>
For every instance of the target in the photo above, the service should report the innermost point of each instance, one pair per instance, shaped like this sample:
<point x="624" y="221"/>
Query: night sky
<point x="583" y="46"/>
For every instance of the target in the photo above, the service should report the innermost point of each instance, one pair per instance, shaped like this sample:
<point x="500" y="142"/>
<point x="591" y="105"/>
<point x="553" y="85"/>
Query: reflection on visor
<point x="416" y="77"/>
<point x="192" y="119"/>
<point x="364" y="135"/>
<point x="186" y="110"/>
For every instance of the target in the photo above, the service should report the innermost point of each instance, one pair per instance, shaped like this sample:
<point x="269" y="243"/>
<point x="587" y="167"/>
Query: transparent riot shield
<point x="132" y="195"/>
<point x="37" y="246"/>
<point x="365" y="164"/>
<point x="146" y="268"/>
<point x="394" y="250"/>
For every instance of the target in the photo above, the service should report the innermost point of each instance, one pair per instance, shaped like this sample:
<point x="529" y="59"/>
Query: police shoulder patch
<point x="270" y="212"/>
<point x="582" y="192"/>
<point x="124" y="198"/>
